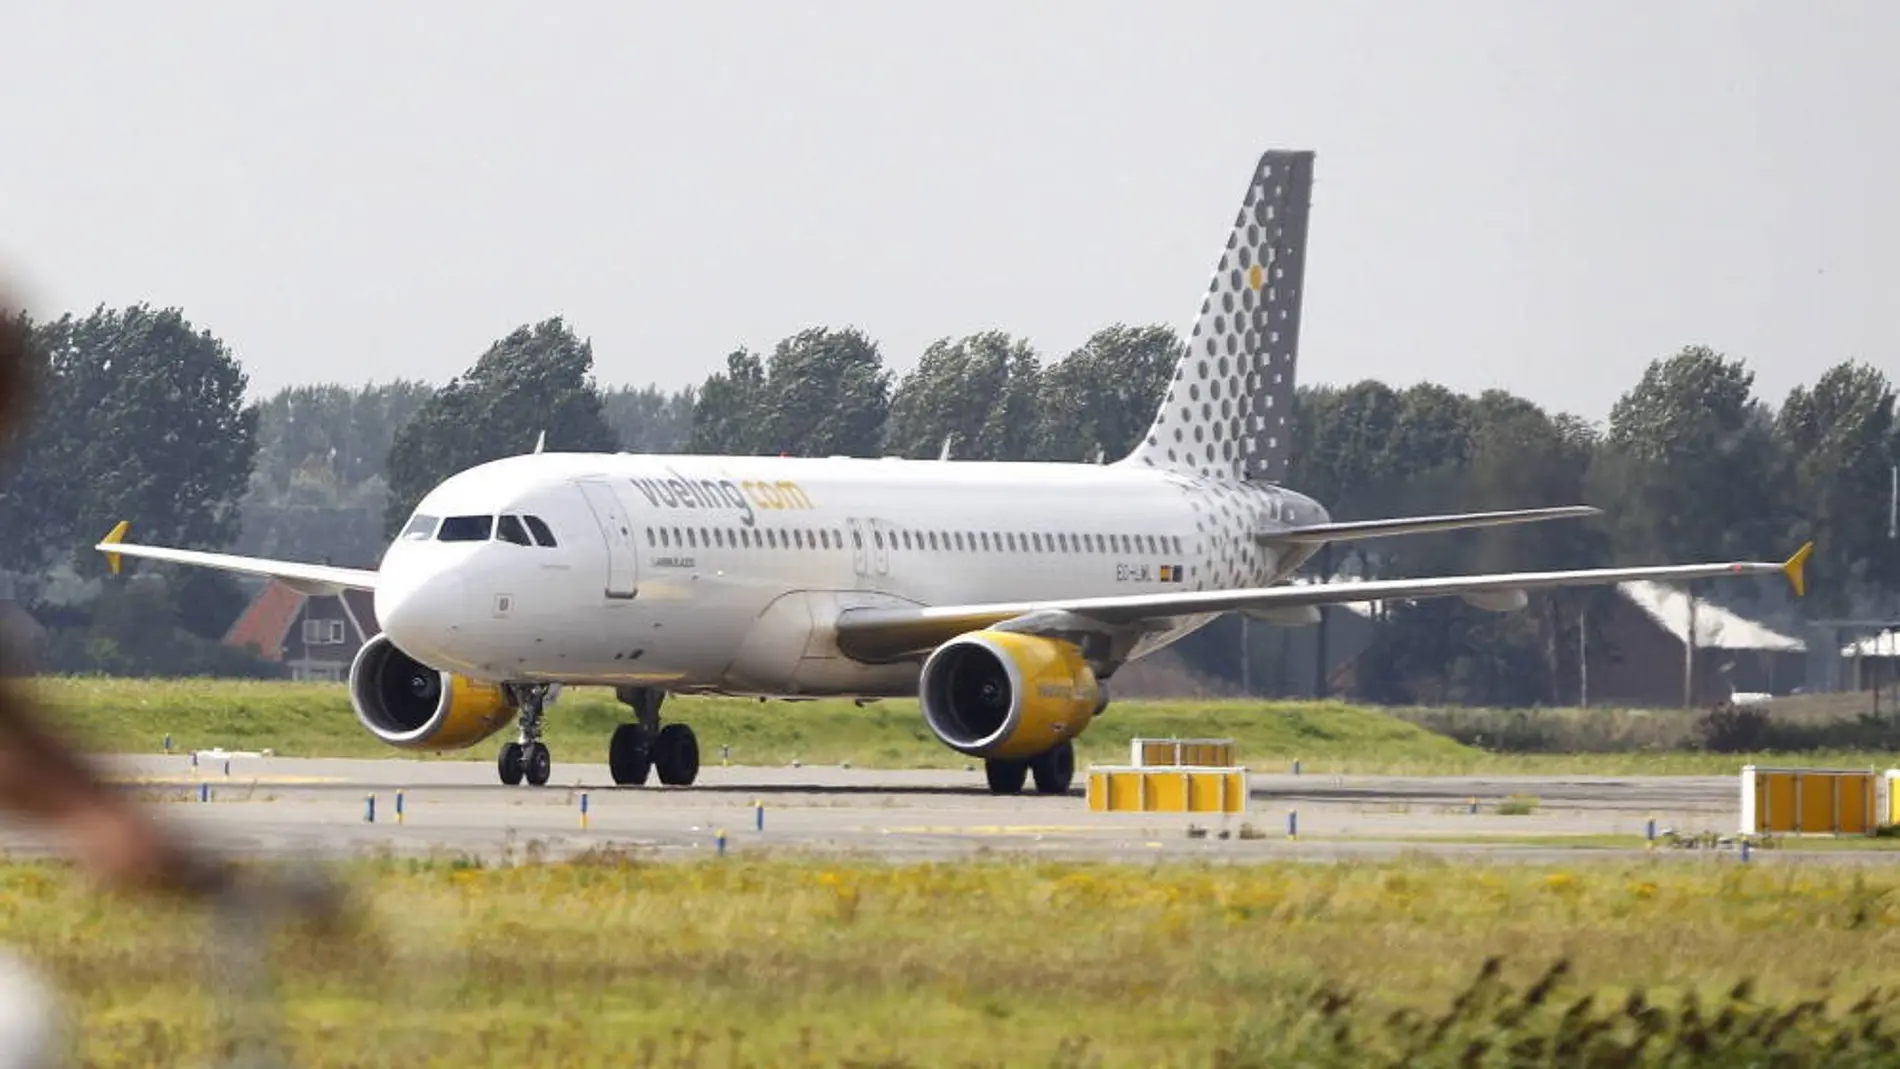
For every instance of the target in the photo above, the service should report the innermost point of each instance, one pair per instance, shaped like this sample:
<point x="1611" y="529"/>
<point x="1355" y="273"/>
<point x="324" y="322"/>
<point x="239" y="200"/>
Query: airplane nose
<point x="420" y="616"/>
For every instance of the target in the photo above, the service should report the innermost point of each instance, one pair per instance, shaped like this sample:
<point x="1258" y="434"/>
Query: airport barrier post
<point x="369" y="809"/>
<point x="1809" y="801"/>
<point x="399" y="806"/>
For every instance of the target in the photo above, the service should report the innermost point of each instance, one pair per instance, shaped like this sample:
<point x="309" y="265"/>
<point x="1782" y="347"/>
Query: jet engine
<point x="1006" y="695"/>
<point x="411" y="706"/>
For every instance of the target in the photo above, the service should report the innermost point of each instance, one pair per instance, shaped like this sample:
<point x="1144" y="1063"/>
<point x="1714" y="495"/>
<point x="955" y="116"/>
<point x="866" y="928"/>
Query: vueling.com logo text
<point x="675" y="491"/>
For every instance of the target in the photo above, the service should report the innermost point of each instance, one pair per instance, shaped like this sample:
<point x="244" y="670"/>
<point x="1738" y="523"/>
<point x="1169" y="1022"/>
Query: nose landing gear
<point x="527" y="758"/>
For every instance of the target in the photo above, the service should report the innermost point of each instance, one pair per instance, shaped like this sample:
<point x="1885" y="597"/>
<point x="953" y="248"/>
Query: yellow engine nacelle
<point x="411" y="706"/>
<point x="1004" y="695"/>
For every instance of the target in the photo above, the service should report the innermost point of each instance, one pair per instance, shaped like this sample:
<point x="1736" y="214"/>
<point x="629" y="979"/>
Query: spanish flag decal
<point x="1167" y="573"/>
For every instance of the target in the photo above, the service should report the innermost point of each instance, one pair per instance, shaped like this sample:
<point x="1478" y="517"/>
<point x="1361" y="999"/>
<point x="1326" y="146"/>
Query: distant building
<point x="1649" y="633"/>
<point x="1872" y="662"/>
<point x="1636" y="660"/>
<point x="316" y="637"/>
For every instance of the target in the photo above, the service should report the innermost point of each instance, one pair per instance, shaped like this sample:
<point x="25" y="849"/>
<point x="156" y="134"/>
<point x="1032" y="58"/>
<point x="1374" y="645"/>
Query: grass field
<point x="741" y="962"/>
<point x="314" y="720"/>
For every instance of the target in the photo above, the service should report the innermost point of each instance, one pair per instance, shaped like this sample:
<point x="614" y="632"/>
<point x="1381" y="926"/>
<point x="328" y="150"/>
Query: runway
<point x="269" y="806"/>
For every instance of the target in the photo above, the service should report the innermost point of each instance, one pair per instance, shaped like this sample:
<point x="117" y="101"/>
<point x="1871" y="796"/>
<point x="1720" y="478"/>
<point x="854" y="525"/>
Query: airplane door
<point x="858" y="555"/>
<point x="616" y="528"/>
<point x="880" y="548"/>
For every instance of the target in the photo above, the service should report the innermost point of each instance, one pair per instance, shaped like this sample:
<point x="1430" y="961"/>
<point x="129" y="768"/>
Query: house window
<point x="323" y="632"/>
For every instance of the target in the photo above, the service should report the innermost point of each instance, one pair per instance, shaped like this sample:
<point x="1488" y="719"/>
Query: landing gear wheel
<point x="1054" y="769"/>
<point x="1006" y="777"/>
<point x="508" y="763"/>
<point x="630" y="755"/>
<point x="538" y="764"/>
<point x="526" y="757"/>
<point x="676" y="755"/>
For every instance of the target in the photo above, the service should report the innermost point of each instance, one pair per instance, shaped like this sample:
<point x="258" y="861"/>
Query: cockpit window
<point x="420" y="528"/>
<point x="466" y="529"/>
<point x="541" y="533"/>
<point x="509" y="529"/>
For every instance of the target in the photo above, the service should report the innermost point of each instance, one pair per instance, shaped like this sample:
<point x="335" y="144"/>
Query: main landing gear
<point x="527" y="757"/>
<point x="1053" y="770"/>
<point x="644" y="746"/>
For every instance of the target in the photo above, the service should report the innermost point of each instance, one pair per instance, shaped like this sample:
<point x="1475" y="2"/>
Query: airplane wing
<point x="1317" y="533"/>
<point x="887" y="633"/>
<point x="304" y="578"/>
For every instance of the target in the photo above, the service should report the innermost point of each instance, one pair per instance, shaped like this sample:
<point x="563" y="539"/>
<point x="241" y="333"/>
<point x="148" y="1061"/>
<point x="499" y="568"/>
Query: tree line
<point x="143" y="415"/>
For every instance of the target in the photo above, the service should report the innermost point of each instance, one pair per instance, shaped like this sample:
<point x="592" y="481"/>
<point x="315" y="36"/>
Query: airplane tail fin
<point x="1228" y="412"/>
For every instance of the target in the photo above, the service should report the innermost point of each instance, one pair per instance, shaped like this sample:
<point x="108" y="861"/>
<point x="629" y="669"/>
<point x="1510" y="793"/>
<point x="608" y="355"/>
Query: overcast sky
<point x="1534" y="196"/>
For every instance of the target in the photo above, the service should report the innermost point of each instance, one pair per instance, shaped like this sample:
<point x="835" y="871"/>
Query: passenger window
<point x="509" y="529"/>
<point x="420" y="528"/>
<point x="650" y="540"/>
<point x="466" y="529"/>
<point x="985" y="538"/>
<point x="1036" y="541"/>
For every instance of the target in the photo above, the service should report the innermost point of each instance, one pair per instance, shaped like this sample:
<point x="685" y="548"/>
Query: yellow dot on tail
<point x="1256" y="277"/>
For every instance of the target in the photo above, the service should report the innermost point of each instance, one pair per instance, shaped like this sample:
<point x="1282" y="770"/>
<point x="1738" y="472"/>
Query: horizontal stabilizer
<point x="1315" y="534"/>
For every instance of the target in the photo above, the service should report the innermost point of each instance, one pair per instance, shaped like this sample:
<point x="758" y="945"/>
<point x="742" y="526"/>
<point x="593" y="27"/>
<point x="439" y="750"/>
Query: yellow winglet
<point x="1793" y="569"/>
<point x="113" y="538"/>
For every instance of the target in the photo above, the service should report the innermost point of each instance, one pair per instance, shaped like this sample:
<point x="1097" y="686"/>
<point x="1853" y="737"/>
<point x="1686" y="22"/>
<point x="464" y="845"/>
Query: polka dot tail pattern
<point x="1229" y="408"/>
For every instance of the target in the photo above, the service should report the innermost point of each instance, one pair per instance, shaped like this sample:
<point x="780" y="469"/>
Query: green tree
<point x="648" y="420"/>
<point x="1840" y="440"/>
<point x="1101" y="398"/>
<point x="1690" y="462"/>
<point x="537" y="379"/>
<point x="982" y="391"/>
<point x="729" y="408"/>
<point x="37" y="499"/>
<point x="828" y="395"/>
<point x="148" y="423"/>
<point x="319" y="491"/>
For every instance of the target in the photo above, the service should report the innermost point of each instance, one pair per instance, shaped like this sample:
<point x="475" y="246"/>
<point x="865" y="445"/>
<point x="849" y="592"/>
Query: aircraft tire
<point x="1005" y="777"/>
<point x="630" y="755"/>
<point x="676" y="755"/>
<point x="1054" y="769"/>
<point x="508" y="763"/>
<point x="538" y="764"/>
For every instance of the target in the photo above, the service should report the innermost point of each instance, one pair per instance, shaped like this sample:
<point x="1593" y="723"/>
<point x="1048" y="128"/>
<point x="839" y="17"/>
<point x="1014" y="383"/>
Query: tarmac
<point x="267" y="806"/>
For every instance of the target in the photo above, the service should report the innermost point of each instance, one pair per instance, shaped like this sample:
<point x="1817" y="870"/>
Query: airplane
<point x="1004" y="596"/>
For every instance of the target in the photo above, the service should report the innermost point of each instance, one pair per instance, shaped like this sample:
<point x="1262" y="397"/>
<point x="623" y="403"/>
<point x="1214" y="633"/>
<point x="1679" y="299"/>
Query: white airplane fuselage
<point x="724" y="574"/>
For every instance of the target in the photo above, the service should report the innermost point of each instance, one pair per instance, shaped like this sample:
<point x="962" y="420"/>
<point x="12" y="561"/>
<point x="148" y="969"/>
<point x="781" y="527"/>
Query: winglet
<point x="113" y="538"/>
<point x="1795" y="566"/>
